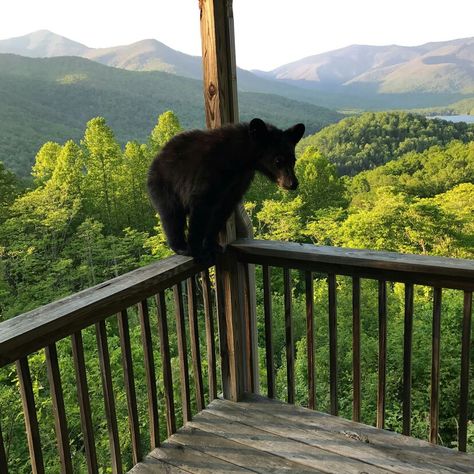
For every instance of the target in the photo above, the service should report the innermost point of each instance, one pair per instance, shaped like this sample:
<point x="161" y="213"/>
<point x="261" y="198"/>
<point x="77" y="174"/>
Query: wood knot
<point x="212" y="90"/>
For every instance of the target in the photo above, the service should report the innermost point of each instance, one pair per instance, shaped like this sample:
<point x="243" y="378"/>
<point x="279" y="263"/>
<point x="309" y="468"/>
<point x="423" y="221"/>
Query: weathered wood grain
<point x="109" y="397"/>
<point x="309" y="299"/>
<point x="210" y="337"/>
<point x="152" y="465"/>
<point x="166" y="362"/>
<point x="84" y="402"/>
<point x="150" y="375"/>
<point x="182" y="352"/>
<point x="59" y="412"/>
<point x="407" y="352"/>
<point x="435" y="367"/>
<point x="37" y="329"/>
<point x="226" y="445"/>
<point x="272" y="435"/>
<point x="267" y="312"/>
<point x="356" y="374"/>
<point x="333" y="365"/>
<point x="129" y="382"/>
<point x="195" y="346"/>
<point x="437" y="271"/>
<point x="289" y="337"/>
<point x="382" y="355"/>
<point x="464" y="388"/>
<point x="377" y="447"/>
<point x="29" y="413"/>
<point x="192" y="460"/>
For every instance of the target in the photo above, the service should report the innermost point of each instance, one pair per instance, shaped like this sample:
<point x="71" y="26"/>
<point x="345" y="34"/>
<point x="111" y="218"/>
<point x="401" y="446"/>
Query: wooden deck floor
<point x="265" y="436"/>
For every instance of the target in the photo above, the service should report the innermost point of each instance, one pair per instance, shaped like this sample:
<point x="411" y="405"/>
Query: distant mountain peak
<point x="42" y="43"/>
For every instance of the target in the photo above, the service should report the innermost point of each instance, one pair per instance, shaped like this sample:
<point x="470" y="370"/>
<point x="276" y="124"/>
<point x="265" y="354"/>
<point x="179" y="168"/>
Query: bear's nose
<point x="294" y="184"/>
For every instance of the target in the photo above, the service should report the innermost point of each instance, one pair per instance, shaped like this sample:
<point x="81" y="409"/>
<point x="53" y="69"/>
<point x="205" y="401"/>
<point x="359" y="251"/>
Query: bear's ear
<point x="257" y="129"/>
<point x="295" y="133"/>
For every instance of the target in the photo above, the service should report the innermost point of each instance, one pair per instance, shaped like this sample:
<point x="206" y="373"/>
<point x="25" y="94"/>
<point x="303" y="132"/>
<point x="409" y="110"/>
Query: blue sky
<point x="268" y="32"/>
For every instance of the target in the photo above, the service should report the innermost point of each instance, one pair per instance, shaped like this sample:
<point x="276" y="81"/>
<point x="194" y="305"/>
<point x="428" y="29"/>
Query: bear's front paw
<point x="205" y="257"/>
<point x="185" y="252"/>
<point x="214" y="247"/>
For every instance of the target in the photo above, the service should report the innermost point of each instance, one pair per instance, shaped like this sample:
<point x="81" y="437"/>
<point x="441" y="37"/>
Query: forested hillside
<point x="52" y="99"/>
<point x="87" y="218"/>
<point x="372" y="139"/>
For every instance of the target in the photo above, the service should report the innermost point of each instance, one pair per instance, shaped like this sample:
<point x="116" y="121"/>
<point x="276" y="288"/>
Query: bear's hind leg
<point x="173" y="220"/>
<point x="198" y="227"/>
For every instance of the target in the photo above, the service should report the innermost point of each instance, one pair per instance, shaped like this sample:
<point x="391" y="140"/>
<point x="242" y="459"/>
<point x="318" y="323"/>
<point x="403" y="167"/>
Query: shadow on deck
<point x="262" y="435"/>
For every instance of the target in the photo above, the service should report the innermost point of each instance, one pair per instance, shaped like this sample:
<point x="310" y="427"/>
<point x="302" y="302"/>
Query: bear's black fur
<point x="204" y="174"/>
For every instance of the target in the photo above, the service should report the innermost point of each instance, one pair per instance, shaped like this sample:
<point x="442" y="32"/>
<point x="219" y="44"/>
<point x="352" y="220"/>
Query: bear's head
<point x="275" y="156"/>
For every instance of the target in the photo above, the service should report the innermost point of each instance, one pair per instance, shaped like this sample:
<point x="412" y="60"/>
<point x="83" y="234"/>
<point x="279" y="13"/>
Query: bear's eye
<point x="278" y="161"/>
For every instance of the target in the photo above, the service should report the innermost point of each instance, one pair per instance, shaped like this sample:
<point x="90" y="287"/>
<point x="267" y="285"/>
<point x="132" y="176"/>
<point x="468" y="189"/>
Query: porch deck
<point x="263" y="435"/>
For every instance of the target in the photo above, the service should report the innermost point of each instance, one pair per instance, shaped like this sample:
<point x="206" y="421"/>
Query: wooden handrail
<point x="443" y="272"/>
<point x="41" y="327"/>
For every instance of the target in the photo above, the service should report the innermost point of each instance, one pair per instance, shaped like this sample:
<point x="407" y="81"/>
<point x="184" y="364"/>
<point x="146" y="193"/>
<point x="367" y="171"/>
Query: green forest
<point x="55" y="97"/>
<point x="384" y="181"/>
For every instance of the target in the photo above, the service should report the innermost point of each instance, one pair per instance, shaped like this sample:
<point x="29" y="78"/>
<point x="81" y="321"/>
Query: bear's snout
<point x="289" y="184"/>
<point x="293" y="185"/>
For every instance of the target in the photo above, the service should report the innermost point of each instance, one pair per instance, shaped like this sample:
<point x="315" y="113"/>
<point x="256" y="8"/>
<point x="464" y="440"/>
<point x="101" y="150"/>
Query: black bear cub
<point x="204" y="174"/>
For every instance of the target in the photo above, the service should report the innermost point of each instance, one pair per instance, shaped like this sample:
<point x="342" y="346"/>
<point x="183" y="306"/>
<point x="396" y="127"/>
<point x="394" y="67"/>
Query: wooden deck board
<point x="265" y="436"/>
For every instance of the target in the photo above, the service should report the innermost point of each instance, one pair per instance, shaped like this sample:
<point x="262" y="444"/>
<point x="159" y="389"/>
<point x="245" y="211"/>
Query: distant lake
<point x="455" y="118"/>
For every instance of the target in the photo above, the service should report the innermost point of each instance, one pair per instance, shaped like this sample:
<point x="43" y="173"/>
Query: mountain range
<point x="358" y="76"/>
<point x="446" y="67"/>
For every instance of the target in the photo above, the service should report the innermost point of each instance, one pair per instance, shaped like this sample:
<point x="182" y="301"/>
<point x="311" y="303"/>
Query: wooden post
<point x="238" y="343"/>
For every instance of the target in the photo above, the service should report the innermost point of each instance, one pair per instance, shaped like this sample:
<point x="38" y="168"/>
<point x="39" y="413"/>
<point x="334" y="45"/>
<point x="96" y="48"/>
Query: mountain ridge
<point x="441" y="66"/>
<point x="388" y="76"/>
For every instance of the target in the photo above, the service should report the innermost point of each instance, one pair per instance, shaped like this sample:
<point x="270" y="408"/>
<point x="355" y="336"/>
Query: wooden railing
<point x="41" y="329"/>
<point x="437" y="272"/>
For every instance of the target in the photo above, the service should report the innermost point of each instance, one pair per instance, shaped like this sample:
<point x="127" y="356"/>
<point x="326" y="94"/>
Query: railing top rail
<point x="36" y="329"/>
<point x="40" y="327"/>
<point x="422" y="269"/>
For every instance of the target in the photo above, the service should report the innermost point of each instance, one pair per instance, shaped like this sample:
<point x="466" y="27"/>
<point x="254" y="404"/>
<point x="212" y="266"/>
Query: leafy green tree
<point x="102" y="155"/>
<point x="281" y="220"/>
<point x="9" y="189"/>
<point x="319" y="186"/>
<point x="132" y="191"/>
<point x="45" y="162"/>
<point x="166" y="128"/>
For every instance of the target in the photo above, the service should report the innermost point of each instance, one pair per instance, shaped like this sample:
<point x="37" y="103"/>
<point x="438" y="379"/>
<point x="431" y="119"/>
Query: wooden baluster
<point x="182" y="352"/>
<point x="84" y="402"/>
<point x="356" y="377"/>
<point x="129" y="381"/>
<point x="3" y="456"/>
<point x="434" y="401"/>
<point x="210" y="340"/>
<point x="59" y="412"/>
<point x="249" y="331"/>
<point x="310" y="338"/>
<point x="267" y="309"/>
<point x="166" y="362"/>
<point x="465" y="354"/>
<point x="109" y="398"/>
<point x="382" y="360"/>
<point x="195" y="349"/>
<point x="290" y="350"/>
<point x="407" y="351"/>
<point x="29" y="412"/>
<point x="333" y="344"/>
<point x="149" y="374"/>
